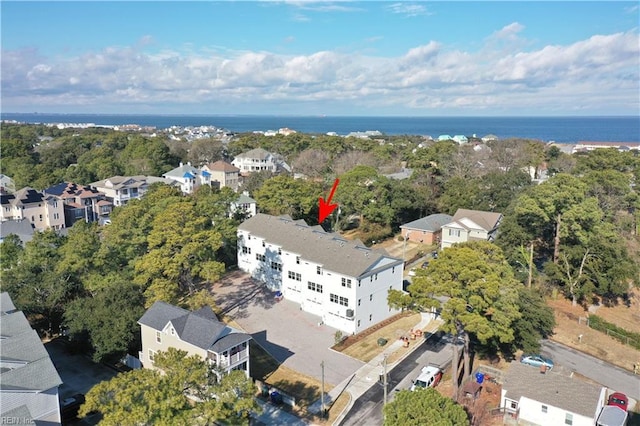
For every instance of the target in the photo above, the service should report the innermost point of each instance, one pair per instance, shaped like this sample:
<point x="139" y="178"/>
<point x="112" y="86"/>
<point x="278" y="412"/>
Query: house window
<point x="343" y="301"/>
<point x="376" y="277"/>
<point x="297" y="260"/>
<point x="319" y="270"/>
<point x="152" y="354"/>
<point x="544" y="408"/>
<point x="358" y="283"/>
<point x="358" y="323"/>
<point x="279" y="251"/>
<point x="514" y="405"/>
<point x="173" y="331"/>
<point x="158" y="337"/>
<point x="568" y="419"/>
<point x="246" y="250"/>
<point x="314" y="287"/>
<point x="393" y="270"/>
<point x="370" y="316"/>
<point x="276" y="266"/>
<point x="295" y="276"/>
<point x="346" y="283"/>
<point x="261" y="257"/>
<point x="370" y="297"/>
<point x="263" y="244"/>
<point x="359" y="300"/>
<point x="454" y="232"/>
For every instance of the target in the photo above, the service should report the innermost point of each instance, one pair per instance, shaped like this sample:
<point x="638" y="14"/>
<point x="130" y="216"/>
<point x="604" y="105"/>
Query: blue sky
<point x="320" y="57"/>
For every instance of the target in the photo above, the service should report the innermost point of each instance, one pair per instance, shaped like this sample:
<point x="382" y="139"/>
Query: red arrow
<point x="325" y="206"/>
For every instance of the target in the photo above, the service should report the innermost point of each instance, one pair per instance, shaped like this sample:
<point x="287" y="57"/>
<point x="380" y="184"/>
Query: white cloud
<point x="509" y="31"/>
<point x="600" y="73"/>
<point x="408" y="9"/>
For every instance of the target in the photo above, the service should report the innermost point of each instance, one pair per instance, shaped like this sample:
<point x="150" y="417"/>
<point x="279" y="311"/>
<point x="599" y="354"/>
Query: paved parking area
<point x="290" y="335"/>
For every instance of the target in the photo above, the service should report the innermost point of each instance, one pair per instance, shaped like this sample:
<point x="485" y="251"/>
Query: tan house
<point x="43" y="211"/>
<point x="200" y="333"/>
<point x="220" y="174"/>
<point x="426" y="230"/>
<point x="470" y="225"/>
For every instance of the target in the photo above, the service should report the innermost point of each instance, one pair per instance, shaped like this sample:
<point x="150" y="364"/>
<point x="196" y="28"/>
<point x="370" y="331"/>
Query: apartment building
<point x="43" y="211"/>
<point x="341" y="281"/>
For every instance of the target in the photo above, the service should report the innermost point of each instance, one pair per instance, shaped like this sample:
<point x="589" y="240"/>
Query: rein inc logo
<point x="15" y="420"/>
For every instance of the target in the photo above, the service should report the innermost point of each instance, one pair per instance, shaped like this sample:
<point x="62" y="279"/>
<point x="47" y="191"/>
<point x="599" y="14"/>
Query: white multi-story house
<point x="28" y="379"/>
<point x="200" y="333"/>
<point x="532" y="398"/>
<point x="43" y="211"/>
<point x="120" y="189"/>
<point x="259" y="160"/>
<point x="470" y="225"/>
<point x="343" y="282"/>
<point x="244" y="205"/>
<point x="187" y="176"/>
<point x="220" y="174"/>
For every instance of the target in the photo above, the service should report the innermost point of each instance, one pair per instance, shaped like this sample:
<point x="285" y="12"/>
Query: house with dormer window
<point x="43" y="211"/>
<point x="260" y="160"/>
<point x="343" y="282"/>
<point x="220" y="175"/>
<point x="470" y="225"/>
<point x="199" y="333"/>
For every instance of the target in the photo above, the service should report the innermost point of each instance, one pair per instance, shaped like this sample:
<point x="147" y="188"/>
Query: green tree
<point x="423" y="407"/>
<point x="110" y="335"/>
<point x="285" y="195"/>
<point x="482" y="295"/>
<point x="34" y="283"/>
<point x="162" y="396"/>
<point x="536" y="321"/>
<point x="399" y="299"/>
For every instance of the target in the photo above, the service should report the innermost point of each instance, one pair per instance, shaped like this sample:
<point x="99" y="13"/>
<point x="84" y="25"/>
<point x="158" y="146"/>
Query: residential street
<point x="600" y="371"/>
<point x="367" y="410"/>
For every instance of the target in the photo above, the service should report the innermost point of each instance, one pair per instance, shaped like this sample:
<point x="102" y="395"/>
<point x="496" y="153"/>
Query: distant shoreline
<point x="569" y="129"/>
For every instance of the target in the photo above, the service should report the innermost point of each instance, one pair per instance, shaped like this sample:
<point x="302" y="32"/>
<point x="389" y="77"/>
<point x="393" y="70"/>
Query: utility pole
<point x="384" y="379"/>
<point x="322" y="393"/>
<point x="530" y="265"/>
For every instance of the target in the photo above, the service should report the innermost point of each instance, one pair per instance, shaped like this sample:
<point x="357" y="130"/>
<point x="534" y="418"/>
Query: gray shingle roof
<point x="6" y="304"/>
<point x="551" y="389"/>
<point x="431" y="223"/>
<point x="26" y="363"/>
<point x="180" y="171"/>
<point x="333" y="252"/>
<point x="257" y="153"/>
<point x="21" y="228"/>
<point x="200" y="328"/>
<point x="487" y="220"/>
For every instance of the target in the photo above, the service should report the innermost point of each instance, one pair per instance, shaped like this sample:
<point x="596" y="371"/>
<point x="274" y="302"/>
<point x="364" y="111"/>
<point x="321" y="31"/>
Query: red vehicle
<point x="619" y="400"/>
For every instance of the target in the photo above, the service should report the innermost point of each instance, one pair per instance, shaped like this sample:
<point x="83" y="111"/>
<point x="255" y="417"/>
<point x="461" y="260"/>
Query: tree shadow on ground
<point x="239" y="293"/>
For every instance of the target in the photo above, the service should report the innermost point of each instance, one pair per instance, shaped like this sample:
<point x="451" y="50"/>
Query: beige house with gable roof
<point x="200" y="333"/>
<point x="470" y="225"/>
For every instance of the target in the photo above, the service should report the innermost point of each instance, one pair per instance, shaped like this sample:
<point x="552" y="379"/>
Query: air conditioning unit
<point x="349" y="313"/>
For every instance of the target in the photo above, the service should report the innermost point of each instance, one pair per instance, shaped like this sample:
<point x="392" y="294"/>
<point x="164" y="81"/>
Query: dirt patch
<point x="571" y="324"/>
<point x="364" y="346"/>
<point x="624" y="314"/>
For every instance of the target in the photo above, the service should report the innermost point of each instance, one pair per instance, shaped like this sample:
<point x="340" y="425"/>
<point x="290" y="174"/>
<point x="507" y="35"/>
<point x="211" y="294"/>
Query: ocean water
<point x="558" y="129"/>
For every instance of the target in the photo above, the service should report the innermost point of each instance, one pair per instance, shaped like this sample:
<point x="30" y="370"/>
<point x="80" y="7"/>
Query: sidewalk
<point x="369" y="374"/>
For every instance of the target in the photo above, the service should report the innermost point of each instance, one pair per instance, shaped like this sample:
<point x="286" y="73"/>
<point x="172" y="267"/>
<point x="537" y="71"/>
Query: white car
<point x="429" y="378"/>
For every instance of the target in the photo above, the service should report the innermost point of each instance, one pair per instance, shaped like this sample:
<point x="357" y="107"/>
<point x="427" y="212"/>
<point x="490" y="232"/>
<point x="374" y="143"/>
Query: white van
<point x="429" y="378"/>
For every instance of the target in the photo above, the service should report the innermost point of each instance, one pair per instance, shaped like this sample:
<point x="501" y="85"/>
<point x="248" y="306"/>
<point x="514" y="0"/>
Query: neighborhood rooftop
<point x="487" y="220"/>
<point x="312" y="243"/>
<point x="26" y="366"/>
<point x="431" y="223"/>
<point x="551" y="388"/>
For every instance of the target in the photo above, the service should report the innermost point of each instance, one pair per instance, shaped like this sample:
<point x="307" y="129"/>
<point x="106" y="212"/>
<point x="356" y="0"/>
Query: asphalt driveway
<point x="291" y="336"/>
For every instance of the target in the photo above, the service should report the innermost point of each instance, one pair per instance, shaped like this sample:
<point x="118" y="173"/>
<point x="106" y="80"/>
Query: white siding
<point x="371" y="290"/>
<point x="532" y="411"/>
